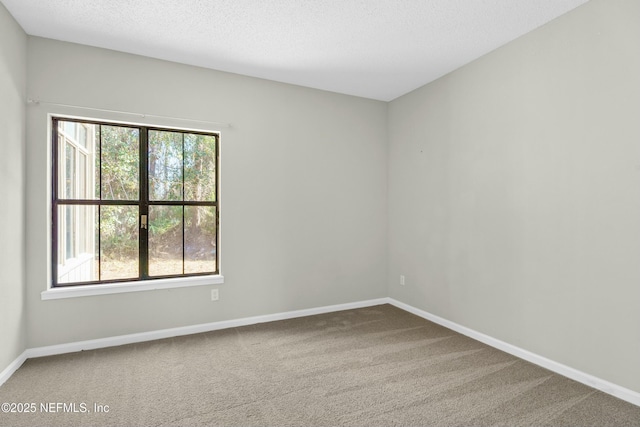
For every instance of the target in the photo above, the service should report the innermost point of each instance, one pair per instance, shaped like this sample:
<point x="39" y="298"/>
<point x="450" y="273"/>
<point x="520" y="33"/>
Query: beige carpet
<point x="377" y="366"/>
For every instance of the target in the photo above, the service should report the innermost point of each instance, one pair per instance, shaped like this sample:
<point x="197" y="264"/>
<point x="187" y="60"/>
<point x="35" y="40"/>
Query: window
<point x="132" y="203"/>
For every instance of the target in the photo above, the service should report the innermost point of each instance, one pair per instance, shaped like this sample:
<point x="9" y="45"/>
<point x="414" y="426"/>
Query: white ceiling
<point x="378" y="49"/>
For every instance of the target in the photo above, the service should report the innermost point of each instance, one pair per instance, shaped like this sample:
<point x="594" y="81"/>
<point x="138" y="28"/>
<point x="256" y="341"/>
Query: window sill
<point x="118" y="288"/>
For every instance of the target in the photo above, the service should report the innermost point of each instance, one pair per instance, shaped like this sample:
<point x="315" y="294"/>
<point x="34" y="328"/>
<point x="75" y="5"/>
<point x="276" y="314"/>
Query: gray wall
<point x="13" y="69"/>
<point x="303" y="198"/>
<point x="514" y="202"/>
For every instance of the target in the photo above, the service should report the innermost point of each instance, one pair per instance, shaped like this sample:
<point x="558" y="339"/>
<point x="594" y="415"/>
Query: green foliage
<point x="163" y="219"/>
<point x="119" y="232"/>
<point x="199" y="167"/>
<point x="119" y="171"/>
<point x="165" y="165"/>
<point x="181" y="167"/>
<point x="119" y="163"/>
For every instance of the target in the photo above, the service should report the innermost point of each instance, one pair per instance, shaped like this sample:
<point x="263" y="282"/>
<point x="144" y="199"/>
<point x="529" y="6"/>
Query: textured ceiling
<point x="378" y="49"/>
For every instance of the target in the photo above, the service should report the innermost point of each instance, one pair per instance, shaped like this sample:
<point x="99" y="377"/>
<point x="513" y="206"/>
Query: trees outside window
<point x="132" y="202"/>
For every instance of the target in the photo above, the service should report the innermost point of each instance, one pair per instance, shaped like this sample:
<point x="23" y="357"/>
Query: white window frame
<point x="51" y="293"/>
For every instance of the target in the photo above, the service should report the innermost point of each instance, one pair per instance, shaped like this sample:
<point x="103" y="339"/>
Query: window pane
<point x="120" y="163"/>
<point x="77" y="249"/>
<point x="82" y="134"/>
<point x="165" y="240"/>
<point x="69" y="128"/>
<point x="82" y="176"/>
<point x="165" y="165"/>
<point x="69" y="232"/>
<point x="199" y="239"/>
<point x="77" y="167"/>
<point x="70" y="171"/>
<point x="119" y="242"/>
<point x="95" y="171"/>
<point x="199" y="167"/>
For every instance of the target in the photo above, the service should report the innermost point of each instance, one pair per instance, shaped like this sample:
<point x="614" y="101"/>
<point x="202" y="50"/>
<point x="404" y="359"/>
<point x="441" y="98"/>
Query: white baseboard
<point x="564" y="370"/>
<point x="582" y="377"/>
<point x="193" y="329"/>
<point x="13" y="366"/>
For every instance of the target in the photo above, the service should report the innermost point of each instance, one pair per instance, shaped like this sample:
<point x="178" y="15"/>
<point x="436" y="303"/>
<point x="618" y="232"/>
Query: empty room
<point x="320" y="213"/>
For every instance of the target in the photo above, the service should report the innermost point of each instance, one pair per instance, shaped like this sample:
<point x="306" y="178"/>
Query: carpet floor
<point x="376" y="366"/>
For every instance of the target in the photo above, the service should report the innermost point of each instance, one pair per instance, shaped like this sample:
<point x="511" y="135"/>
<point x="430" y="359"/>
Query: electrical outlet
<point x="215" y="296"/>
<point x="402" y="280"/>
